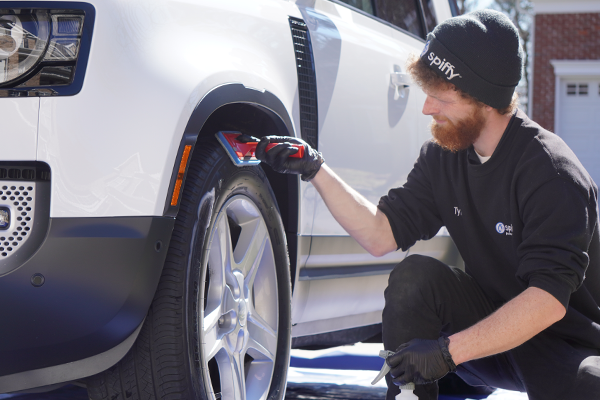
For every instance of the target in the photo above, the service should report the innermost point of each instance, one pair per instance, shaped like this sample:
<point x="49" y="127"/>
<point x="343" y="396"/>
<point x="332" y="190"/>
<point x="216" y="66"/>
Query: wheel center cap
<point x="242" y="312"/>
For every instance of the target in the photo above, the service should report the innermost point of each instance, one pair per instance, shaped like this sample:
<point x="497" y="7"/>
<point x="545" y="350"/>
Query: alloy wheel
<point x="240" y="306"/>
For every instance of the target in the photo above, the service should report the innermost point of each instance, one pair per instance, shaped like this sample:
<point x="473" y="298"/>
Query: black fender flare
<point x="233" y="93"/>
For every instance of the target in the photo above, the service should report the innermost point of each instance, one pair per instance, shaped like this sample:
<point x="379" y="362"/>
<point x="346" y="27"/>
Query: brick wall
<point x="559" y="37"/>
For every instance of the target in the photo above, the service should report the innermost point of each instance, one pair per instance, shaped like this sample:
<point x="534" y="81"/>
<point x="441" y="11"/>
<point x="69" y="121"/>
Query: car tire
<point x="219" y="324"/>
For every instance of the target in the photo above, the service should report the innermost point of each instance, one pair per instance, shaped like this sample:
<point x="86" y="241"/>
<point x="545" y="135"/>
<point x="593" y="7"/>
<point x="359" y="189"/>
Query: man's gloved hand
<point x="278" y="156"/>
<point x="421" y="361"/>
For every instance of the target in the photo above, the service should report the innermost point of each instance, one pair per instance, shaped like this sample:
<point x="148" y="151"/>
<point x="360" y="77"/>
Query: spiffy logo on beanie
<point x="443" y="65"/>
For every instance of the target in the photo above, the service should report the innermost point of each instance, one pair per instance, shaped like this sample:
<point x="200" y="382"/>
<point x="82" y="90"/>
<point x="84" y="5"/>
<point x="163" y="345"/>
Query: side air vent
<point x="307" y="82"/>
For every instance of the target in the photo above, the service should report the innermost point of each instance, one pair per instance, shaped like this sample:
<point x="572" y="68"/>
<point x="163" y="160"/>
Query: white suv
<point x="135" y="257"/>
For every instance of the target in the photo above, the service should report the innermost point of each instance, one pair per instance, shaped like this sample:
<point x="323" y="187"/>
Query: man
<point x="521" y="209"/>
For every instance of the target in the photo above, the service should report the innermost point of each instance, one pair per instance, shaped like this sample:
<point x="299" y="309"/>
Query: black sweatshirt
<point x="526" y="217"/>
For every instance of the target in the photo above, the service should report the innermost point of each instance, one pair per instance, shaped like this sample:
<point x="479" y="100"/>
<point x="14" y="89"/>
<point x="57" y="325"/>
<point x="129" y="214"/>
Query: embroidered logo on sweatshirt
<point x="504" y="228"/>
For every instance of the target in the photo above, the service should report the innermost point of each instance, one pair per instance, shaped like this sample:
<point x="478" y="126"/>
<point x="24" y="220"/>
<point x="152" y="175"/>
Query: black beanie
<point x="479" y="53"/>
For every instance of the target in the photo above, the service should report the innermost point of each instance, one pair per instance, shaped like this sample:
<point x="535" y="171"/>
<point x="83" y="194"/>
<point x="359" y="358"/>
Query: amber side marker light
<point x="180" y="173"/>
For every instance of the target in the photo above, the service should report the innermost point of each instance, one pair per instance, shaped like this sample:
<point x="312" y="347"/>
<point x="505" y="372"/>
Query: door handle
<point x="400" y="82"/>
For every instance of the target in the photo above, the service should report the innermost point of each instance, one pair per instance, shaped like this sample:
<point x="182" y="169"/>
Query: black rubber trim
<point x="334" y="339"/>
<point x="219" y="97"/>
<point x="82" y="60"/>
<point x="424" y="27"/>
<point x="100" y="275"/>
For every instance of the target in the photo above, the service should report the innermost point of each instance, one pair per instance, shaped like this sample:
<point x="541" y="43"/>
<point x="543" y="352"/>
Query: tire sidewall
<point x="223" y="182"/>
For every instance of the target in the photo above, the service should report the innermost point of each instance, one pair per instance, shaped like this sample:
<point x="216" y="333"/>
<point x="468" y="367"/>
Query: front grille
<point x="25" y="173"/>
<point x="19" y="198"/>
<point x="24" y="210"/>
<point x="307" y="82"/>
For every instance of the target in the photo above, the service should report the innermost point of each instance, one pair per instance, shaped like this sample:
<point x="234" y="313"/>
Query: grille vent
<point x="307" y="82"/>
<point x="20" y="198"/>
<point x="23" y="173"/>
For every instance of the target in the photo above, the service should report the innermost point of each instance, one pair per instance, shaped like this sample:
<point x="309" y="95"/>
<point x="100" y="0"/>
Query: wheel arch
<point x="258" y="113"/>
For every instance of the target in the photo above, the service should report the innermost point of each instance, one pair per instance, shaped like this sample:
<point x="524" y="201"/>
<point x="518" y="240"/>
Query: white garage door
<point x="579" y="121"/>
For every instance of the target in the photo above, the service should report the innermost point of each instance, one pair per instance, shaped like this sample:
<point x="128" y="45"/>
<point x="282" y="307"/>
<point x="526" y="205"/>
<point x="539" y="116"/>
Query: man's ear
<point x="491" y="111"/>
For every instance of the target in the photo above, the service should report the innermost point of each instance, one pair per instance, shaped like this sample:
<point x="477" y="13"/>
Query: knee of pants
<point x="410" y="300"/>
<point x="414" y="279"/>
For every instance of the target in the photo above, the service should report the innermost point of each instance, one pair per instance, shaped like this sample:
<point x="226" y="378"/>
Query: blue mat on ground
<point x="354" y="362"/>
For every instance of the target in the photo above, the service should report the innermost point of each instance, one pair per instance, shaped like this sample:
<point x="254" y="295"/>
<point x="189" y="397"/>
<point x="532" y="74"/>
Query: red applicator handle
<point x="247" y="150"/>
<point x="299" y="154"/>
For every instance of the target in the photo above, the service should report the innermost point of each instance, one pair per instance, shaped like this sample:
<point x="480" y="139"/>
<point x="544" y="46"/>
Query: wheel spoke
<point x="263" y="338"/>
<point x="253" y="255"/>
<point x="225" y="243"/>
<point x="218" y="262"/>
<point x="263" y="291"/>
<point x="229" y="303"/>
<point x="212" y="337"/>
<point x="213" y="332"/>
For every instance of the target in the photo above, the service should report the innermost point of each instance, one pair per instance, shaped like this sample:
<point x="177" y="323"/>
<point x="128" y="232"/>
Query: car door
<point x="367" y="114"/>
<point x="369" y="132"/>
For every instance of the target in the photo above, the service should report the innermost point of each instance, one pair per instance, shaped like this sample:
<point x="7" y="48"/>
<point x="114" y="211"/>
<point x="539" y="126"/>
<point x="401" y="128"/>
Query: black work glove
<point x="279" y="158"/>
<point x="421" y="361"/>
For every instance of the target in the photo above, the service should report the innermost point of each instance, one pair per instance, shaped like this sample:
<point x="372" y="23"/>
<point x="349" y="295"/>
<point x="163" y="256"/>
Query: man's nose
<point x="431" y="106"/>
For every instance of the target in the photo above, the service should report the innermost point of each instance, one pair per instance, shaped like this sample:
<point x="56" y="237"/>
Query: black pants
<point x="426" y="298"/>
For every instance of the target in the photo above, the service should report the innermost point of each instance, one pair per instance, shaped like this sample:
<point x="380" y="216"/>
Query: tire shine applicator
<point x="242" y="152"/>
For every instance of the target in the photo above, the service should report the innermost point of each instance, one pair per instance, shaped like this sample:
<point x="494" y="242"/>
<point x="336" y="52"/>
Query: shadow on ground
<point x="305" y="391"/>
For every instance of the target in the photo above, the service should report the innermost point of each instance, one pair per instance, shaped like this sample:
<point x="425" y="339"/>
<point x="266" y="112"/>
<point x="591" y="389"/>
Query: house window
<point x="574" y="89"/>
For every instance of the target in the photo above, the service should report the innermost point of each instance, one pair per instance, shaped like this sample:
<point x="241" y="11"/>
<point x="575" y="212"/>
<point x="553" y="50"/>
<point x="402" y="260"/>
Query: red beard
<point x="460" y="135"/>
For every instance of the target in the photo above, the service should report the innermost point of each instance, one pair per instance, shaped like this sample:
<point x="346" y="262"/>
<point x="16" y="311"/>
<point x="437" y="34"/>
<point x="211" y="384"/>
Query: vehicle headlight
<point x="23" y="41"/>
<point x="41" y="48"/>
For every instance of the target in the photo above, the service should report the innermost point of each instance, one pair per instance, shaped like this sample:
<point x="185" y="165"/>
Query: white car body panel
<point x="367" y="136"/>
<point x="19" y="122"/>
<point x="112" y="159"/>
